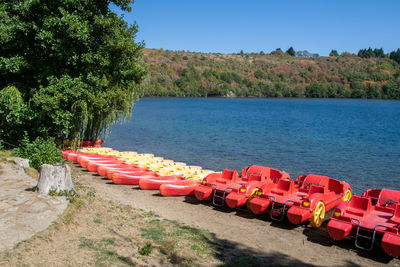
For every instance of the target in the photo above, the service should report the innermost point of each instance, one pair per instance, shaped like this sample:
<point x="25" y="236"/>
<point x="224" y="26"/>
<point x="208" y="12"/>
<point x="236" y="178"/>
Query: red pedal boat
<point x="267" y="177"/>
<point x="218" y="185"/>
<point x="306" y="199"/>
<point x="373" y="217"/>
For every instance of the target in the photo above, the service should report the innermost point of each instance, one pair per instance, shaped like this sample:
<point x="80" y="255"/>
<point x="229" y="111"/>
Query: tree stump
<point x="20" y="162"/>
<point x="55" y="178"/>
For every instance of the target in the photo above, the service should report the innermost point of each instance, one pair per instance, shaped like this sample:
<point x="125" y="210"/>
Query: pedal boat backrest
<point x="276" y="175"/>
<point x="255" y="170"/>
<point x="359" y="206"/>
<point x="314" y="189"/>
<point x="228" y="176"/>
<point x="396" y="215"/>
<point x="335" y="186"/>
<point x="283" y="187"/>
<point x="388" y="198"/>
<point x="306" y="181"/>
<point x="254" y="178"/>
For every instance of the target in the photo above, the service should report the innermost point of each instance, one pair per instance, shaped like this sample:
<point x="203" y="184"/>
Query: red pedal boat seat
<point x="359" y="206"/>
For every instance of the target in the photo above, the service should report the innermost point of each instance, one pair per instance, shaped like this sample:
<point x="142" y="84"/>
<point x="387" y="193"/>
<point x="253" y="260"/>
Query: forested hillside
<point x="185" y="74"/>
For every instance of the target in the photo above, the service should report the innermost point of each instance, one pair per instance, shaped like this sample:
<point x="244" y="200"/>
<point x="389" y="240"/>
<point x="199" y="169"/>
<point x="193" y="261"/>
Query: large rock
<point x="55" y="178"/>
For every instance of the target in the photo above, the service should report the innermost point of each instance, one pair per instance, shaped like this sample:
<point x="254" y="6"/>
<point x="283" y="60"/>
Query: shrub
<point x="41" y="151"/>
<point x="146" y="250"/>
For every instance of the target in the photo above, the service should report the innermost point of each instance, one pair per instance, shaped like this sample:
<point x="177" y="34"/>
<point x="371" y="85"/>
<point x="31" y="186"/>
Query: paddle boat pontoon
<point x="372" y="218"/>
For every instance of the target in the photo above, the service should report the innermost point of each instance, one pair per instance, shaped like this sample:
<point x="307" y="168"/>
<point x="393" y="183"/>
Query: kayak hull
<point x="131" y="179"/>
<point x="93" y="166"/>
<point x="179" y="188"/>
<point x="102" y="170"/>
<point x="110" y="172"/>
<point x="155" y="183"/>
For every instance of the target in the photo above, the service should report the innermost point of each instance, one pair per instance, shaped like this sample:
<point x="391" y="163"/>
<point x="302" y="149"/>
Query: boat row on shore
<point x="372" y="218"/>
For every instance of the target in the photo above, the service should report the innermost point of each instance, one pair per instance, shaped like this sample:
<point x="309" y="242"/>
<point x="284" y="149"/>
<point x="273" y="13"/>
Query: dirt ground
<point x="115" y="225"/>
<point x="243" y="233"/>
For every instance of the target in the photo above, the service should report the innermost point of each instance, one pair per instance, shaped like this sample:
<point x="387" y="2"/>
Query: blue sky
<point x="227" y="26"/>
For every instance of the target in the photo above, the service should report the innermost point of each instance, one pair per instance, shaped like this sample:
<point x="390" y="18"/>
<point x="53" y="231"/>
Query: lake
<point x="353" y="140"/>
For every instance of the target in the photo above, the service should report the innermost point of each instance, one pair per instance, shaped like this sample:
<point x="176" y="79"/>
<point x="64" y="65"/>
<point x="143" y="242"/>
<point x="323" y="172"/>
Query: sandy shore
<point x="271" y="242"/>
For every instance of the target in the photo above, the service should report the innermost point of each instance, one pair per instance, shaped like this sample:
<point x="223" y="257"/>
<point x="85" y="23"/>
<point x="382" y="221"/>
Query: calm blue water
<point x="353" y="140"/>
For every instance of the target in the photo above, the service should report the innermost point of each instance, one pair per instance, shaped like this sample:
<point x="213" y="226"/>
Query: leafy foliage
<point x="395" y="55"/>
<point x="71" y="67"/>
<point x="41" y="151"/>
<point x="15" y="114"/>
<point x="146" y="250"/>
<point x="369" y="53"/>
<point x="334" y="53"/>
<point x="271" y="75"/>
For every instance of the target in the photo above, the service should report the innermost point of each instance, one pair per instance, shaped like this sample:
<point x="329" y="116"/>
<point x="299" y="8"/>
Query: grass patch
<point x="243" y="261"/>
<point x="146" y="250"/>
<point x="155" y="234"/>
<point x="32" y="173"/>
<point x="94" y="231"/>
<point x="104" y="255"/>
<point x="4" y="154"/>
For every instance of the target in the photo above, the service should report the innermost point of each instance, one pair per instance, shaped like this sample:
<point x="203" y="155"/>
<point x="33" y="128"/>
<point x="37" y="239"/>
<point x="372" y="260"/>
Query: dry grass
<point x="98" y="232"/>
<point x="32" y="173"/>
<point x="4" y="154"/>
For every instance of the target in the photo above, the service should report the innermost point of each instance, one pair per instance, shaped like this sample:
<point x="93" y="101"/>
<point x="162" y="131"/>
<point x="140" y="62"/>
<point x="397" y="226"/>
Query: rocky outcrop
<point x="23" y="211"/>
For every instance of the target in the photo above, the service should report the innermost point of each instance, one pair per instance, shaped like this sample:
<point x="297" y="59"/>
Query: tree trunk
<point x="55" y="178"/>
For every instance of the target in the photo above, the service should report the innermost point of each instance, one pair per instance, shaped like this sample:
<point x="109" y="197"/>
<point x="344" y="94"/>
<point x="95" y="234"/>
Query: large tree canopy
<point x="72" y="67"/>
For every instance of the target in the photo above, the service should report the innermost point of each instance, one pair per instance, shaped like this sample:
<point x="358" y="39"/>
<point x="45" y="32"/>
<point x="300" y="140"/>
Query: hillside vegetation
<point x="188" y="74"/>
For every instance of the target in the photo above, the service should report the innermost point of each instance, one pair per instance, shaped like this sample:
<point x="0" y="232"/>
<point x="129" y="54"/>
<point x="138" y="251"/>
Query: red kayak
<point x="110" y="172"/>
<point x="132" y="178"/>
<point x="73" y="156"/>
<point x="155" y="183"/>
<point x="83" y="159"/>
<point x="85" y="162"/>
<point x="93" y="165"/>
<point x="179" y="188"/>
<point x="102" y="170"/>
<point x="65" y="153"/>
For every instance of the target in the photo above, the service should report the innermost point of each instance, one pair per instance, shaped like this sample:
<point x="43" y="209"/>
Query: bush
<point x="41" y="151"/>
<point x="146" y="250"/>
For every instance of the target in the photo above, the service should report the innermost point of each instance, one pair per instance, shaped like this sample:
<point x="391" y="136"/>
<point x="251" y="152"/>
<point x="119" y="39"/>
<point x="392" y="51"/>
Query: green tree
<point x="316" y="90"/>
<point x="291" y="52"/>
<point x="395" y="55"/>
<point x="75" y="65"/>
<point x="334" y="53"/>
<point x="379" y="53"/>
<point x="277" y="51"/>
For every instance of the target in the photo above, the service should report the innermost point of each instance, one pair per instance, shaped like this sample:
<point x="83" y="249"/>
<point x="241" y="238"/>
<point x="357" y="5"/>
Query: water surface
<point x="352" y="140"/>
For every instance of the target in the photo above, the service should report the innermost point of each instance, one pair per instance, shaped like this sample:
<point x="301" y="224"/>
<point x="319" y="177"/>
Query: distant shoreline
<point x="275" y="75"/>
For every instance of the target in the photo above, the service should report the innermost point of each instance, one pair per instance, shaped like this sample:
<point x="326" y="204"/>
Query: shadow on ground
<point x="247" y="256"/>
<point x="321" y="237"/>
